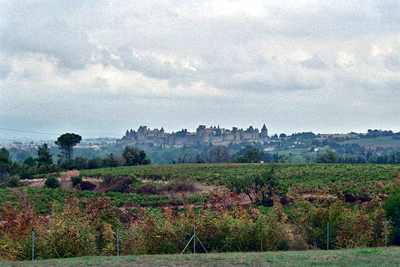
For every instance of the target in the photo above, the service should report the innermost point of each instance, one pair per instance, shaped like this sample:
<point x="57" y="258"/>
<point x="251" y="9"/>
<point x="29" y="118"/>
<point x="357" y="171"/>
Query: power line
<point x="23" y="131"/>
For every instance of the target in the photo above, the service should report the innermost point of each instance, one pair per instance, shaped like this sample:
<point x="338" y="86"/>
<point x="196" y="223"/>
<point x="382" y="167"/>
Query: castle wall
<point x="203" y="135"/>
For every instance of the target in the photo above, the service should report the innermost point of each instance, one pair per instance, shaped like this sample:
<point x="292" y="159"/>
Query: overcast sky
<point x="98" y="68"/>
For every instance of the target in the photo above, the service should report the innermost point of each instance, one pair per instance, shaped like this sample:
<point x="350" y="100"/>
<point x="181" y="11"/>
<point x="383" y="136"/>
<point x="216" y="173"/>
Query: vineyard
<point x="234" y="207"/>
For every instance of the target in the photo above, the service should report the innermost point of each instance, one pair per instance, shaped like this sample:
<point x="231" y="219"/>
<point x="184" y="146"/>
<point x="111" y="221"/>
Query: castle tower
<point x="264" y="133"/>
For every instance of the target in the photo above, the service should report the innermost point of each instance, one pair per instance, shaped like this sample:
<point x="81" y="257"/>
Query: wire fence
<point x="194" y="237"/>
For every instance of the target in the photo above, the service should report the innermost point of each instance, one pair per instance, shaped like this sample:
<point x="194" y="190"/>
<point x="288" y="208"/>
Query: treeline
<point x="11" y="171"/>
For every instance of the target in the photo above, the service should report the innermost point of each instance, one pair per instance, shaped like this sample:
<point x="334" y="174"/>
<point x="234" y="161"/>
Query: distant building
<point x="203" y="135"/>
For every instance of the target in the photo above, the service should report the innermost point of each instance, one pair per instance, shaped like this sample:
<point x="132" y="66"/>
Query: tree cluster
<point x="10" y="171"/>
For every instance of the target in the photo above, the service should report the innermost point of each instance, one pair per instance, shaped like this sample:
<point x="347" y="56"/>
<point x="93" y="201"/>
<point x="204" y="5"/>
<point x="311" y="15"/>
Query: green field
<point x="351" y="257"/>
<point x="368" y="142"/>
<point x="364" y="180"/>
<point x="353" y="178"/>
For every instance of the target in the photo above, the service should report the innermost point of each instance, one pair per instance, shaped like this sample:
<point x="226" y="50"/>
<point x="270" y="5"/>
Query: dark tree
<point x="5" y="162"/>
<point x="249" y="154"/>
<point x="135" y="156"/>
<point x="30" y="162"/>
<point x="328" y="157"/>
<point x="44" y="156"/>
<point x="110" y="161"/>
<point x="220" y="154"/>
<point x="66" y="142"/>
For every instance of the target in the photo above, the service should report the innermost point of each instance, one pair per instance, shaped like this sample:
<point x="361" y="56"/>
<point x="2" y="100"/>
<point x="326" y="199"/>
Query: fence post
<point x="117" y="242"/>
<point x="327" y="236"/>
<point x="194" y="240"/>
<point x="33" y="244"/>
<point x="385" y="232"/>
<point x="261" y="238"/>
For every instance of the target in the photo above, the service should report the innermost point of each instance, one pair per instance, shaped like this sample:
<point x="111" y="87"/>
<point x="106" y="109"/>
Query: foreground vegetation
<point x="352" y="257"/>
<point x="122" y="185"/>
<point x="288" y="207"/>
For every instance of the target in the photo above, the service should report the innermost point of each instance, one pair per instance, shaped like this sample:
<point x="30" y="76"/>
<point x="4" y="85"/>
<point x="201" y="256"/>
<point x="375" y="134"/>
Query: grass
<point x="351" y="257"/>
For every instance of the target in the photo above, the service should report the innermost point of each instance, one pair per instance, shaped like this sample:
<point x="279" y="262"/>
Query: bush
<point x="147" y="189"/>
<point x="120" y="184"/>
<point x="14" y="181"/>
<point x="108" y="178"/>
<point x="76" y="180"/>
<point x="87" y="186"/>
<point x="27" y="173"/>
<point x="52" y="182"/>
<point x="181" y="185"/>
<point x="392" y="209"/>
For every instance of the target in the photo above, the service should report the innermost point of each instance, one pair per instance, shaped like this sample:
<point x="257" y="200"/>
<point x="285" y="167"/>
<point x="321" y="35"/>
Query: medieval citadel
<point x="203" y="135"/>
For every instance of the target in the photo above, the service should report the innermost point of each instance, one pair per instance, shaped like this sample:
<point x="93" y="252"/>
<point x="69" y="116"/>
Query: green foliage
<point x="79" y="163"/>
<point x="358" y="180"/>
<point x="52" y="182"/>
<point x="76" y="180"/>
<point x="27" y="172"/>
<point x="392" y="209"/>
<point x="95" y="163"/>
<point x="135" y="156"/>
<point x="44" y="156"/>
<point x="30" y="162"/>
<point x="66" y="142"/>
<point x="110" y="161"/>
<point x="14" y="181"/>
<point x="327" y="157"/>
<point x="249" y="155"/>
<point x="258" y="186"/>
<point x="5" y="162"/>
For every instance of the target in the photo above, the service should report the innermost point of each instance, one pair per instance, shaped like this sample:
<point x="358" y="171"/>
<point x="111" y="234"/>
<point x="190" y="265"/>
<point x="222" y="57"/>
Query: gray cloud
<point x="5" y="67"/>
<point x="392" y="62"/>
<point x="42" y="27"/>
<point x="184" y="54"/>
<point x="313" y="63"/>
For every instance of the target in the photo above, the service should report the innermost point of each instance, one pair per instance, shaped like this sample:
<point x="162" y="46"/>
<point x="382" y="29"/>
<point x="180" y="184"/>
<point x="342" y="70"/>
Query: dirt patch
<point x="204" y="188"/>
<point x="95" y="181"/>
<point x="36" y="183"/>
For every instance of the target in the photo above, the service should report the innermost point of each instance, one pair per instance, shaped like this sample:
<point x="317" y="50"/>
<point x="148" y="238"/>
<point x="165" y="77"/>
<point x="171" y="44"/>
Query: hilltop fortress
<point x="203" y="135"/>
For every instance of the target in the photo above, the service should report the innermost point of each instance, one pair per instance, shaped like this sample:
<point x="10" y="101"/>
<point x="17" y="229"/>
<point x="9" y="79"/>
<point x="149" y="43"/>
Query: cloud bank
<point x="104" y="66"/>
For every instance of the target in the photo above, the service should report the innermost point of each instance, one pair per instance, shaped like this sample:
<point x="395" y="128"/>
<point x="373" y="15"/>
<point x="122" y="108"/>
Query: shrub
<point x="87" y="186"/>
<point x="76" y="180"/>
<point x="148" y="189"/>
<point x="14" y="181"/>
<point x="108" y="178"/>
<point x="27" y="173"/>
<point x="120" y="184"/>
<point x="180" y="185"/>
<point x="52" y="182"/>
<point x="392" y="209"/>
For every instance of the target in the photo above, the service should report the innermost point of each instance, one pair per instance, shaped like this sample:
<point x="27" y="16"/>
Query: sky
<point x="98" y="68"/>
